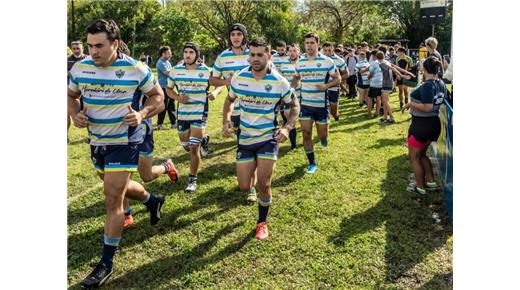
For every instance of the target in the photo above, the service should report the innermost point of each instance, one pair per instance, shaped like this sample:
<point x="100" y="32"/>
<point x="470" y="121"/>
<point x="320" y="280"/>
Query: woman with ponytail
<point x="426" y="127"/>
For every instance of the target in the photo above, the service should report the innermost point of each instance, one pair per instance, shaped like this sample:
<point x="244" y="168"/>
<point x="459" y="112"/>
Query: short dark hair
<point x="380" y="55"/>
<point x="364" y="44"/>
<point x="281" y="43"/>
<point x="432" y="65"/>
<point x="260" y="42"/>
<point x="163" y="49"/>
<point x="312" y="34"/>
<point x="108" y="26"/>
<point x="328" y="44"/>
<point x="338" y="50"/>
<point x="401" y="49"/>
<point x="382" y="48"/>
<point x="295" y="45"/>
<point x="391" y="49"/>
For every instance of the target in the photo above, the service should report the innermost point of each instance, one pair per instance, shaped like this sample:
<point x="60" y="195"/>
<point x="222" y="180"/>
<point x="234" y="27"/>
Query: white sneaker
<point x="252" y="195"/>
<point x="192" y="186"/>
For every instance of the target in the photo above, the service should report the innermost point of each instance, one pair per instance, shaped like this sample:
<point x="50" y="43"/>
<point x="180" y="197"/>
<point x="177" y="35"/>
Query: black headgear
<point x="193" y="46"/>
<point x="241" y="28"/>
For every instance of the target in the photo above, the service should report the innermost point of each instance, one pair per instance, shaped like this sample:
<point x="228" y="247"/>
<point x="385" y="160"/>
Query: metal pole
<point x="433" y="30"/>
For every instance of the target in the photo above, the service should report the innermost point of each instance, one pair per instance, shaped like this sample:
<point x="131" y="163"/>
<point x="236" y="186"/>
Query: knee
<point x="113" y="203"/>
<point x="244" y="186"/>
<point x="146" y="177"/>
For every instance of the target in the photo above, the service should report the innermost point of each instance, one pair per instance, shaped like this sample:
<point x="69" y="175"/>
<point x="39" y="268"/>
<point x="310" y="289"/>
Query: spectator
<point x="163" y="69"/>
<point x="426" y="126"/>
<point x="431" y="46"/>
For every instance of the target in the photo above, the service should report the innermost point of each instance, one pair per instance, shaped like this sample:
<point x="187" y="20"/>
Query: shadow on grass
<point x="439" y="281"/>
<point x="85" y="246"/>
<point x="410" y="231"/>
<point x="156" y="273"/>
<point x="284" y="180"/>
<point x="388" y="142"/>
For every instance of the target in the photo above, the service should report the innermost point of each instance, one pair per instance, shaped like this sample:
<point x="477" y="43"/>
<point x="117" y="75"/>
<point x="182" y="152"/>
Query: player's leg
<point x="406" y="94"/>
<point x="196" y="134"/>
<point x="322" y="126"/>
<point x="306" y="125"/>
<point x="368" y="100"/>
<point x="333" y="97"/>
<point x="292" y="133"/>
<point x="265" y="173"/>
<point x="401" y="88"/>
<point x="378" y="103"/>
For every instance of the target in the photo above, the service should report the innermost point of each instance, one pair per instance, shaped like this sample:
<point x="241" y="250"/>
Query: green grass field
<point x="352" y="225"/>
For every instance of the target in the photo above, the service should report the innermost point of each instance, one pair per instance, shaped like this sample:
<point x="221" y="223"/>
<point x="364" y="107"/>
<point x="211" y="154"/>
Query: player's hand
<point x="321" y="87"/>
<point x="211" y="96"/>
<point x="281" y="135"/>
<point x="227" y="82"/>
<point x="398" y="77"/>
<point x="81" y="119"/>
<point x="227" y="129"/>
<point x="133" y="118"/>
<point x="405" y="107"/>
<point x="183" y="98"/>
<point x="407" y="77"/>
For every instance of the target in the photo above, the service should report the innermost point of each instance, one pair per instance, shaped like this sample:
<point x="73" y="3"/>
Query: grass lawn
<point x="351" y="225"/>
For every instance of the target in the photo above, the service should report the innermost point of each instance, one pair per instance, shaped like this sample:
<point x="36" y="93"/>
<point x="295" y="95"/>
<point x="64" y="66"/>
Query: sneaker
<point x="204" y="146"/>
<point x="129" y="220"/>
<point x="159" y="127"/>
<point x="389" y="121"/>
<point x="414" y="189"/>
<point x="192" y="186"/>
<point x="382" y="120"/>
<point x="312" y="168"/>
<point x="172" y="126"/>
<point x="336" y="118"/>
<point x="262" y="233"/>
<point x="172" y="172"/>
<point x="252" y="195"/>
<point x="432" y="186"/>
<point x="98" y="276"/>
<point x="400" y="106"/>
<point x="155" y="210"/>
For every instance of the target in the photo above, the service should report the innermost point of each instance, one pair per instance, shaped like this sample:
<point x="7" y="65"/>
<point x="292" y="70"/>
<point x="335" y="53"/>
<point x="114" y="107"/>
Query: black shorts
<point x="425" y="129"/>
<point x="374" y="92"/>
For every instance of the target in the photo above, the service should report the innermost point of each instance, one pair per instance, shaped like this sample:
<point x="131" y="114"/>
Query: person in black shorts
<point x="426" y="126"/>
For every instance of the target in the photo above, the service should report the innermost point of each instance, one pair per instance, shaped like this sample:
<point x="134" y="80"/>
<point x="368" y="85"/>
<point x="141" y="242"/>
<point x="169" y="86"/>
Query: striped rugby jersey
<point x="227" y="64"/>
<point x="278" y="60"/>
<point x="340" y="66"/>
<point x="288" y="70"/>
<point x="259" y="102"/>
<point x="107" y="92"/>
<point x="362" y="76"/>
<point x="312" y="72"/>
<point x="193" y="83"/>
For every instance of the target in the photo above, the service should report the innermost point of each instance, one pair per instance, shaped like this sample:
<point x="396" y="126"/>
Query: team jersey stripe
<point x="107" y="81"/>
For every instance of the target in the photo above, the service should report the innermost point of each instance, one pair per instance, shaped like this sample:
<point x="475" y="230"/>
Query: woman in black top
<point x="426" y="126"/>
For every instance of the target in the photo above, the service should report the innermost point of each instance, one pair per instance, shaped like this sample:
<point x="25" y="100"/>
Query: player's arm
<point x="293" y="114"/>
<point x="336" y="79"/>
<point x="295" y="80"/>
<point x="213" y="94"/>
<point x="218" y="82"/>
<point x="79" y="118"/>
<point x="227" y="127"/>
<point x="153" y="106"/>
<point x="418" y="106"/>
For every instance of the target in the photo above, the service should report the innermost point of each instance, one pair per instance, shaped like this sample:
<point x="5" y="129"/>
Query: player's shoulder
<point x="226" y="53"/>
<point x="204" y="67"/>
<point x="179" y="67"/>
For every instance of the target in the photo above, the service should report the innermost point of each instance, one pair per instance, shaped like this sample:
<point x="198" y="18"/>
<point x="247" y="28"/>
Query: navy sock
<point x="109" y="250"/>
<point x="151" y="200"/>
<point x="292" y="137"/>
<point x="192" y="178"/>
<point x="310" y="156"/>
<point x="128" y="211"/>
<point x="262" y="213"/>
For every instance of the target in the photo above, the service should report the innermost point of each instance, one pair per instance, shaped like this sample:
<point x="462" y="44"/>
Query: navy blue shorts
<point x="333" y="96"/>
<point x="374" y="92"/>
<point x="262" y="150"/>
<point x="236" y="121"/>
<point x="184" y="126"/>
<point x="146" y="148"/>
<point x="115" y="158"/>
<point x="319" y="115"/>
<point x="363" y="87"/>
